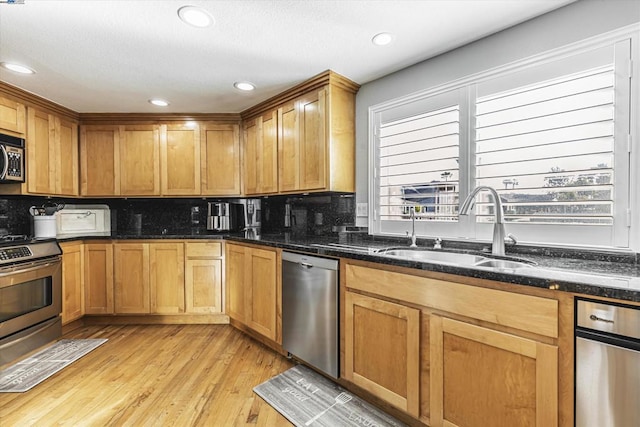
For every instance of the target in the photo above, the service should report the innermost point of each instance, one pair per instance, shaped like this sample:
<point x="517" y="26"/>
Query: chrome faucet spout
<point x="412" y="215"/>
<point x="497" y="247"/>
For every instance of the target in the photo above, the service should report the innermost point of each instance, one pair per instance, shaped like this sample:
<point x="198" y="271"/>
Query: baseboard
<point x="157" y="319"/>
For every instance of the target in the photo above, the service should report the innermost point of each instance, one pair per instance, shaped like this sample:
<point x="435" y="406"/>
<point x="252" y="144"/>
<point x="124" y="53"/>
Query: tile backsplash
<point x="311" y="214"/>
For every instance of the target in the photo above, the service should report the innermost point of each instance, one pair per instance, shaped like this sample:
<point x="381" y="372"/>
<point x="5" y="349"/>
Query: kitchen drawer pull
<point x="600" y="319"/>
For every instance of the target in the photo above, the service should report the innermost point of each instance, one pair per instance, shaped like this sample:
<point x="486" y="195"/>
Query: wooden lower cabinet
<point x="253" y="288"/>
<point x="98" y="278"/>
<point x="480" y="376"/>
<point x="458" y="354"/>
<point x="72" y="283"/>
<point x="382" y="350"/>
<point x="203" y="277"/>
<point x="149" y="278"/>
<point x="131" y="274"/>
<point x="166" y="275"/>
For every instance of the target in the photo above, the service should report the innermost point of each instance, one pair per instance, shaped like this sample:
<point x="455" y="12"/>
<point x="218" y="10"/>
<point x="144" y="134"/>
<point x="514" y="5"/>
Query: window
<point x="549" y="150"/>
<point x="551" y="136"/>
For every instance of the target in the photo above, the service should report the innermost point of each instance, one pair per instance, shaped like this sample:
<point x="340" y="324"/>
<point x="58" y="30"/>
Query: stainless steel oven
<point x="30" y="296"/>
<point x="607" y="364"/>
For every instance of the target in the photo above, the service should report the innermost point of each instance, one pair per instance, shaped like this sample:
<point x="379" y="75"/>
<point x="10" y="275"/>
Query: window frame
<point x="620" y="236"/>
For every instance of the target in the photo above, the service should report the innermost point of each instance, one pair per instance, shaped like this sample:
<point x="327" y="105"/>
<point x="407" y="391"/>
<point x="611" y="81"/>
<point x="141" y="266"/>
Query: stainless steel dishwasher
<point x="310" y="310"/>
<point x="607" y="364"/>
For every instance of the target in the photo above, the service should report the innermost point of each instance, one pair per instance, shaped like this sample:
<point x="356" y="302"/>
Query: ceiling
<point x="113" y="56"/>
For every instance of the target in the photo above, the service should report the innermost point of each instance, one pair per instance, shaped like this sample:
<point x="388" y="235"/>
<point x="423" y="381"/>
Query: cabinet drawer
<point x="204" y="250"/>
<point x="524" y="312"/>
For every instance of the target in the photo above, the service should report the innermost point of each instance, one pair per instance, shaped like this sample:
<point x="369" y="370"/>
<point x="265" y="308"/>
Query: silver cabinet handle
<point x="600" y="319"/>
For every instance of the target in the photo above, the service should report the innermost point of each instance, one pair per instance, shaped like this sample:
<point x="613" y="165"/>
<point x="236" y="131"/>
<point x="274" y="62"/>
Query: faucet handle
<point x="511" y="239"/>
<point x="437" y="243"/>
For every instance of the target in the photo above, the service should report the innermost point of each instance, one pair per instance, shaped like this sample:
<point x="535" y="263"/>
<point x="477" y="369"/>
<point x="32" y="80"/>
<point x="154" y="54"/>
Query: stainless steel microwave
<point x="11" y="159"/>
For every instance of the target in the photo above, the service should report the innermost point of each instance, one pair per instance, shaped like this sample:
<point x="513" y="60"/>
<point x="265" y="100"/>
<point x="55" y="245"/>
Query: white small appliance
<point x="85" y="220"/>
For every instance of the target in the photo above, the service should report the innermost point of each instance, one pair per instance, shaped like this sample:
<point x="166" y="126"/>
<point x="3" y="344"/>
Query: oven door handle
<point x="7" y="271"/>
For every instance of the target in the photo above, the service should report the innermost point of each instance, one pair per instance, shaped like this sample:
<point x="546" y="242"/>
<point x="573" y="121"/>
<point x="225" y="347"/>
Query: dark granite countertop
<point x="603" y="274"/>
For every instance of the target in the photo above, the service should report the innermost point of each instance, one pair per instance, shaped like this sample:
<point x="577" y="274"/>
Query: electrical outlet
<point x="362" y="209"/>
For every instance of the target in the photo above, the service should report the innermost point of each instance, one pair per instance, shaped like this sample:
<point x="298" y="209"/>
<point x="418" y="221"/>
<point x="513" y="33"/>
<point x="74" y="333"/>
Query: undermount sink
<point x="504" y="264"/>
<point x="455" y="258"/>
<point x="435" y="256"/>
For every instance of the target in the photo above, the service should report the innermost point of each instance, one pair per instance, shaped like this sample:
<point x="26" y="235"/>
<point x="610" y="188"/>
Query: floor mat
<point x="306" y="398"/>
<point x="31" y="371"/>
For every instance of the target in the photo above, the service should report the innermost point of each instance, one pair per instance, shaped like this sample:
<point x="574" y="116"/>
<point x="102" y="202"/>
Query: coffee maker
<point x="225" y="216"/>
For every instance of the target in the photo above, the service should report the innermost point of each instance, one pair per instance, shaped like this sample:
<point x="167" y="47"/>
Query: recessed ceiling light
<point x="244" y="86"/>
<point x="382" y="39"/>
<point x="195" y="16"/>
<point x="159" y="102"/>
<point x="17" y="68"/>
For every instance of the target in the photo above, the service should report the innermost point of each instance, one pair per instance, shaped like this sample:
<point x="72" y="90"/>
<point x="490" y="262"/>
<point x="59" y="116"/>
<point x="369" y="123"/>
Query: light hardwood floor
<point x="155" y="375"/>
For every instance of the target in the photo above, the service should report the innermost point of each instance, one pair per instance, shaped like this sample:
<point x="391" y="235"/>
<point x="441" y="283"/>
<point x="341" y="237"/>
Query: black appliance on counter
<point x="225" y="216"/>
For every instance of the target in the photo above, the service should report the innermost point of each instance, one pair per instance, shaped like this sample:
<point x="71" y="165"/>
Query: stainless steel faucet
<point x="412" y="215"/>
<point x="497" y="248"/>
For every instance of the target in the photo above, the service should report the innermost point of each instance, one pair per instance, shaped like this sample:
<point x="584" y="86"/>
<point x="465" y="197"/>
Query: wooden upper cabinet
<point x="52" y="155"/>
<point x="313" y="140"/>
<point x="220" y="159"/>
<point x="66" y="158"/>
<point x="303" y="143"/>
<point x="40" y="151"/>
<point x="99" y="159"/>
<point x="261" y="154"/>
<point x="316" y="141"/>
<point x="140" y="160"/>
<point x="12" y="117"/>
<point x="288" y="148"/>
<point x="180" y="160"/>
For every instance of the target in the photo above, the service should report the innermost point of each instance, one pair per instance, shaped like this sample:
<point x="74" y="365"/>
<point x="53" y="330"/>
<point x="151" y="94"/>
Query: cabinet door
<point x="40" y="152"/>
<point x="484" y="377"/>
<point x="288" y="148"/>
<point x="235" y="271"/>
<point x="261" y="155"/>
<point x="268" y="154"/>
<point x="382" y="350"/>
<point x="99" y="159"/>
<point x="72" y="289"/>
<point x="98" y="278"/>
<point x="313" y="141"/>
<point x="220" y="159"/>
<point x="262" y="292"/>
<point x="12" y="117"/>
<point x="167" y="277"/>
<point x="140" y="160"/>
<point x="66" y="158"/>
<point x="131" y="267"/>
<point x="180" y="160"/>
<point x="203" y="285"/>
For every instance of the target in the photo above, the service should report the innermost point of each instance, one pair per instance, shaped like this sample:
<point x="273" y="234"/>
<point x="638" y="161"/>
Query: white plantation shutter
<point x="552" y="135"/>
<point x="548" y="149"/>
<point x="419" y="165"/>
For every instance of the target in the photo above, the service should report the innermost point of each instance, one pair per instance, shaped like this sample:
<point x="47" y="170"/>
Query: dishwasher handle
<point x="309" y="261"/>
